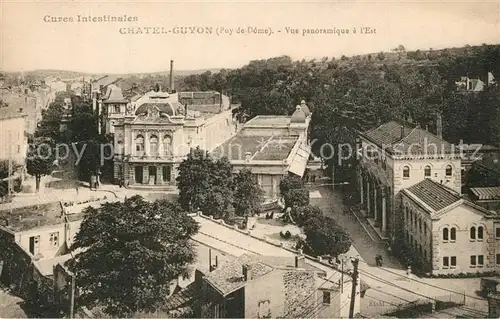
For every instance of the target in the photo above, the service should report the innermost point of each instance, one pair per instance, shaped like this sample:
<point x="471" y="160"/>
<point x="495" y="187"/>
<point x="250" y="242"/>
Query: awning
<point x="486" y="193"/>
<point x="299" y="162"/>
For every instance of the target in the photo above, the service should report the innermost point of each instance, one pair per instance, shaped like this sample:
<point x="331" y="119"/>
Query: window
<point x="498" y="259"/>
<point x="153" y="145"/>
<point x="445" y="234"/>
<point x="425" y="253"/>
<point x="480" y="260"/>
<point x="425" y="229"/>
<point x="473" y="233"/>
<point x="473" y="261"/>
<point x="419" y="225"/>
<point x="117" y="109"/>
<point x="497" y="232"/>
<point x="453" y="262"/>
<point x="446" y="262"/>
<point x="326" y="297"/>
<point x="480" y="231"/>
<point x="139" y="143"/>
<point x="406" y="172"/>
<point x="449" y="171"/>
<point x="453" y="234"/>
<point x="34" y="245"/>
<point x="54" y="239"/>
<point x="408" y="217"/>
<point x="167" y="145"/>
<point x="427" y="171"/>
<point x="264" y="309"/>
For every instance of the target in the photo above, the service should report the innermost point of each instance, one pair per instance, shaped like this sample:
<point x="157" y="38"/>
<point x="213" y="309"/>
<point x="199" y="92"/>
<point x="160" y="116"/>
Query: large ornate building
<point x="153" y="135"/>
<point x="396" y="156"/>
<point x="271" y="147"/>
<point x="410" y="191"/>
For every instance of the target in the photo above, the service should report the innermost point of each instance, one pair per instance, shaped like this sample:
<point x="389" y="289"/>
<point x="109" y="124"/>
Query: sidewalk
<point x="48" y="195"/>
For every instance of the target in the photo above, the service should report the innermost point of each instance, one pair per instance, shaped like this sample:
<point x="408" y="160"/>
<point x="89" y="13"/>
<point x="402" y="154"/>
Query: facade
<point x="114" y="107"/>
<point x="396" y="156"/>
<point x="262" y="280"/>
<point x="13" y="138"/>
<point x="271" y="147"/>
<point x="447" y="234"/>
<point x="44" y="231"/>
<point x="256" y="287"/>
<point x="152" y="138"/>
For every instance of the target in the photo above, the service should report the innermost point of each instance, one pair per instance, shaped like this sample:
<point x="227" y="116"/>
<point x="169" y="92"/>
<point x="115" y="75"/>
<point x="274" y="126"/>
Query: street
<point x="390" y="285"/>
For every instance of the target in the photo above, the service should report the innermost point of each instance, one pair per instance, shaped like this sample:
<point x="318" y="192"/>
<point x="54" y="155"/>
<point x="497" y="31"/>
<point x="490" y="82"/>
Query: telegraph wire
<point x="424" y="283"/>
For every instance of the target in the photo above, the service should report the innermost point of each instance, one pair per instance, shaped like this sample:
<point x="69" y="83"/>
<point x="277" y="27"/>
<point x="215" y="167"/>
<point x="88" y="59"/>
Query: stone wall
<point x="298" y="288"/>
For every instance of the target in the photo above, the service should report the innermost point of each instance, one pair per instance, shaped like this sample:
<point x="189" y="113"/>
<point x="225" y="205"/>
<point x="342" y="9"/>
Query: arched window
<point x="419" y="225"/>
<point x="453" y="234"/>
<point x="425" y="229"/>
<point x="427" y="171"/>
<point x="480" y="234"/>
<point x="445" y="234"/>
<point x="449" y="170"/>
<point x="167" y="145"/>
<point x="473" y="233"/>
<point x="406" y="172"/>
<point x="139" y="143"/>
<point x="407" y="214"/>
<point x="153" y="145"/>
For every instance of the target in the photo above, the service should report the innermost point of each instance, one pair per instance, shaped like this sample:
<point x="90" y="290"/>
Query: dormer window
<point x="117" y="108"/>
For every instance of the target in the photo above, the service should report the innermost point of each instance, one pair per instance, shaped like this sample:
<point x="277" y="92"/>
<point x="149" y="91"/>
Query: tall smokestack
<point x="171" y="75"/>
<point x="439" y="126"/>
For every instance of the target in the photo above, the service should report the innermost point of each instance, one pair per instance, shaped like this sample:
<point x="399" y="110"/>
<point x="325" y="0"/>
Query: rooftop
<point x="486" y="193"/>
<point x="25" y="218"/>
<point x="408" y="139"/>
<point x="433" y="194"/>
<point x="262" y="147"/>
<point x="269" y="120"/>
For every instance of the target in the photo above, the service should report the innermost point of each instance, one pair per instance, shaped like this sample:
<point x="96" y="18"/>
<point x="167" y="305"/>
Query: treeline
<point x="362" y="92"/>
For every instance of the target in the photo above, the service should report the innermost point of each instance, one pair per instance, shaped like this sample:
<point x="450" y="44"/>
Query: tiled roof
<point x="183" y="298"/>
<point x="261" y="147"/>
<point x="114" y="95"/>
<point x="388" y="133"/>
<point x="413" y="141"/>
<point x="434" y="194"/>
<point x="486" y="193"/>
<point x="29" y="217"/>
<point x="230" y="277"/>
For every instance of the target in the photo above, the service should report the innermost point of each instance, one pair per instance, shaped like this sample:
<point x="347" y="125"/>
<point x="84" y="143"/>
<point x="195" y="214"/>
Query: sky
<point x="27" y="42"/>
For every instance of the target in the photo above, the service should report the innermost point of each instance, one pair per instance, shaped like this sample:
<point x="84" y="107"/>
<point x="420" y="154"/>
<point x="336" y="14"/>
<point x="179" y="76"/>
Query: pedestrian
<point x="77" y="189"/>
<point x="381" y="260"/>
<point x="121" y="182"/>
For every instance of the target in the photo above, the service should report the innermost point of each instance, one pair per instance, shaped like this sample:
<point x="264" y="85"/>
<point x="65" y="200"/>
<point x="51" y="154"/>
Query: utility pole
<point x="9" y="181"/>
<point x="333" y="176"/>
<point x="355" y="263"/>
<point x="72" y="300"/>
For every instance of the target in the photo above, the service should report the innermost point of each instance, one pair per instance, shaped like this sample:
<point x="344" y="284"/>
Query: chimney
<point x="247" y="272"/>
<point x="439" y="126"/>
<point x="402" y="131"/>
<point x="172" y="76"/>
<point x="300" y="261"/>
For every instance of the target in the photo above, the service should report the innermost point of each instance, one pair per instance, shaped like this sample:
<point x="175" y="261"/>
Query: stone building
<point x="447" y="234"/>
<point x="157" y="131"/>
<point x="271" y="147"/>
<point x="396" y="156"/>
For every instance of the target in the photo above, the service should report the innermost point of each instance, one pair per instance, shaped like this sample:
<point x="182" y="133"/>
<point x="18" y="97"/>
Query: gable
<point x="462" y="215"/>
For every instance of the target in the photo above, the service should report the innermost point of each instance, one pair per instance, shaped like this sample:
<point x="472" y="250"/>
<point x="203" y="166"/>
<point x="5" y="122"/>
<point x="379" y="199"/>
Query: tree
<point x="381" y="56"/>
<point x="205" y="183"/>
<point x="293" y="191"/>
<point x="4" y="169"/>
<point x="303" y="214"/>
<point x="131" y="251"/>
<point x="50" y="125"/>
<point x="326" y="237"/>
<point x="40" y="159"/>
<point x="248" y="195"/>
